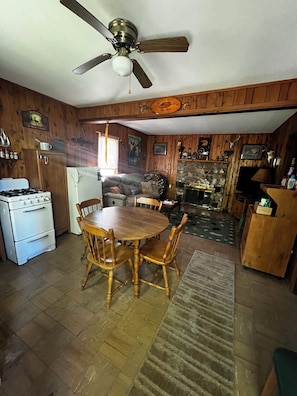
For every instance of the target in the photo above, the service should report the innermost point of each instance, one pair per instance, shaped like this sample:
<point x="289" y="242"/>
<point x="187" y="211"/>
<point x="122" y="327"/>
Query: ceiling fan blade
<point x="84" y="14"/>
<point x="91" y="63"/>
<point x="141" y="76"/>
<point x="170" y="44"/>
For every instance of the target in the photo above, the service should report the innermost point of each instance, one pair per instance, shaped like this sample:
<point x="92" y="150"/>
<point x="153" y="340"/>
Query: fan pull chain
<point x="106" y="142"/>
<point x="129" y="90"/>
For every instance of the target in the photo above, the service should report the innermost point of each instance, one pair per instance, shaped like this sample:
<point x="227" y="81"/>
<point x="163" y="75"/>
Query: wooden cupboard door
<point x="237" y="208"/>
<point x="54" y="179"/>
<point x="245" y="230"/>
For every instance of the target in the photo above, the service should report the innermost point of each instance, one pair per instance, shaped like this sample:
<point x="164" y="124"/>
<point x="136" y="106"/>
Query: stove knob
<point x="24" y="203"/>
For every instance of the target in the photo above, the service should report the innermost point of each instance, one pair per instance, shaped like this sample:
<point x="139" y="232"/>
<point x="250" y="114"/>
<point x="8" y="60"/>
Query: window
<point x="111" y="166"/>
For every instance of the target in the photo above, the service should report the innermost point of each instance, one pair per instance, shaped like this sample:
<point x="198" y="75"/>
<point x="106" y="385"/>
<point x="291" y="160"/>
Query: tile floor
<point x="59" y="340"/>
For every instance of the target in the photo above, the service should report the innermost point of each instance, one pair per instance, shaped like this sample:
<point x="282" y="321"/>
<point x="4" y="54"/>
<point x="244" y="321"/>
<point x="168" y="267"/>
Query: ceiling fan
<point x="122" y="34"/>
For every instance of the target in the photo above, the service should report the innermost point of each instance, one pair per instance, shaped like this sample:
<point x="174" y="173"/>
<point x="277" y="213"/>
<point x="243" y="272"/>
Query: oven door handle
<point x="34" y="210"/>
<point x="37" y="239"/>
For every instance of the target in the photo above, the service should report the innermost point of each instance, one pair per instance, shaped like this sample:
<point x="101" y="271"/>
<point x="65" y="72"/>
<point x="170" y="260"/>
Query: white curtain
<point x="111" y="167"/>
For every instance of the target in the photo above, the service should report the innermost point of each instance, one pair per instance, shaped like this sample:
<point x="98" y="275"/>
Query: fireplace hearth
<point x="198" y="195"/>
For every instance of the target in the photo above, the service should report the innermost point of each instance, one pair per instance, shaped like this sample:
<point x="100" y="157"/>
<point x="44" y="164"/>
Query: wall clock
<point x="166" y="105"/>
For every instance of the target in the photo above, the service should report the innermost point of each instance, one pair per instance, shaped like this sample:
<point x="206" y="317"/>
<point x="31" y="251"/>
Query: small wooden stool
<point x="283" y="375"/>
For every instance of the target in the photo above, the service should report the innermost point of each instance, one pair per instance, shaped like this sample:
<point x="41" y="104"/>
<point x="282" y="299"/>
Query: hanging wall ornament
<point x="81" y="139"/>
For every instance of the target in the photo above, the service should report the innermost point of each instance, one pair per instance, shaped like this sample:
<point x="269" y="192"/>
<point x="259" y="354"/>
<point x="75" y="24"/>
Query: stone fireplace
<point x="201" y="183"/>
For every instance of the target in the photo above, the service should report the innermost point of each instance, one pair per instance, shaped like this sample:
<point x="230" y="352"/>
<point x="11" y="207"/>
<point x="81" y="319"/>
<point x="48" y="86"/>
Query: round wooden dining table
<point x="130" y="224"/>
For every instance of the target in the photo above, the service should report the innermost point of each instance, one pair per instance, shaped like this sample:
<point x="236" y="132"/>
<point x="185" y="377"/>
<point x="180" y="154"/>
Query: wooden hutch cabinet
<point x="267" y="241"/>
<point x="46" y="170"/>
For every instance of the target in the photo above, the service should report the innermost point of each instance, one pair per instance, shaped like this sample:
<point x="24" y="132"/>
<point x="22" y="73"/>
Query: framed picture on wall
<point x="34" y="119"/>
<point x="134" y="150"/>
<point x="251" y="152"/>
<point x="160" y="148"/>
<point x="204" y="145"/>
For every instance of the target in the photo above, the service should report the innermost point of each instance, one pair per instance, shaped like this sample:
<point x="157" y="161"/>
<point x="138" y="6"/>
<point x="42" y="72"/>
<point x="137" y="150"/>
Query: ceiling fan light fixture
<point x="122" y="65"/>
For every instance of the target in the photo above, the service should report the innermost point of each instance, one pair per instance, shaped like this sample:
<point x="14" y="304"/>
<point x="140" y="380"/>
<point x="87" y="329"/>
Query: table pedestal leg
<point x="136" y="268"/>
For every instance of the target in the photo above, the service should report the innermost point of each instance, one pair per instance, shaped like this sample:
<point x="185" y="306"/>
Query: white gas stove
<point x="26" y="220"/>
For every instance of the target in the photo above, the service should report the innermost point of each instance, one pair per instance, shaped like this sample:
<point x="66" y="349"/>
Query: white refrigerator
<point x="83" y="183"/>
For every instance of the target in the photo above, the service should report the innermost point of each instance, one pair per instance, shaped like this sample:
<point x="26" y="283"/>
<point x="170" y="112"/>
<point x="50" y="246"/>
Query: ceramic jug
<point x="1" y="137"/>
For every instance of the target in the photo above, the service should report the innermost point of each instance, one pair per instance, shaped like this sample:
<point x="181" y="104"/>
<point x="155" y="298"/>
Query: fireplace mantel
<point x="203" y="161"/>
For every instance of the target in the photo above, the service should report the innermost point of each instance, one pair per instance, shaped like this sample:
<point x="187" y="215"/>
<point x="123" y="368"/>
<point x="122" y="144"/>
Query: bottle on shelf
<point x="290" y="180"/>
<point x="291" y="170"/>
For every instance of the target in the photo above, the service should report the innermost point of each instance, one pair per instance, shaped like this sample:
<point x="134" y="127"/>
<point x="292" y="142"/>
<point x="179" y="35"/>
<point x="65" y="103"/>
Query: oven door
<point x="34" y="220"/>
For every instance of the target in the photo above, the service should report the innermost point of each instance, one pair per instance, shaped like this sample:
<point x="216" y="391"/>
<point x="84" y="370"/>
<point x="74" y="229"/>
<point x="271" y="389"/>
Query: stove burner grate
<point x="19" y="192"/>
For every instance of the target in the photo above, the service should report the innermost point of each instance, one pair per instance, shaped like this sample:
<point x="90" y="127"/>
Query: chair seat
<point x="154" y="249"/>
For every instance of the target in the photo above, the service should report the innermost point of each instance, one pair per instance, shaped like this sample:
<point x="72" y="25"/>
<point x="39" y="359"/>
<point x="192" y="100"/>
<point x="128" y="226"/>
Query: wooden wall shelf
<point x="203" y="161"/>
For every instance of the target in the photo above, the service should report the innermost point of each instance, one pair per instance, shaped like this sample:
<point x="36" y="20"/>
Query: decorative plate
<point x="166" y="105"/>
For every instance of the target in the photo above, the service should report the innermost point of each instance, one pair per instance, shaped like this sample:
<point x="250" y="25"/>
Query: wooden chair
<point x="149" y="203"/>
<point x="84" y="252"/>
<point x="163" y="253"/>
<point x="106" y="254"/>
<point x="84" y="208"/>
<point x="89" y="206"/>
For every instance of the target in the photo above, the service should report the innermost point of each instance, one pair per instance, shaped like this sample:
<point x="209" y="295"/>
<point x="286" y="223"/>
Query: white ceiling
<point x="232" y="43"/>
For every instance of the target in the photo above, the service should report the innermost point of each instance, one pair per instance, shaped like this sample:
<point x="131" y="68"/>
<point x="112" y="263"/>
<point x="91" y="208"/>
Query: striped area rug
<point x="193" y="352"/>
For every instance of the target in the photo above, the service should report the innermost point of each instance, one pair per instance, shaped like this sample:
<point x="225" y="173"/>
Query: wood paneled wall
<point x="219" y="143"/>
<point x="284" y="142"/>
<point x="263" y="96"/>
<point x="64" y="124"/>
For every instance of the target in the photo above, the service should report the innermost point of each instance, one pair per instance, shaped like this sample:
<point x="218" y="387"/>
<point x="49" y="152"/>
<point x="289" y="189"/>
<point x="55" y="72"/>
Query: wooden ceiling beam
<point x="264" y="96"/>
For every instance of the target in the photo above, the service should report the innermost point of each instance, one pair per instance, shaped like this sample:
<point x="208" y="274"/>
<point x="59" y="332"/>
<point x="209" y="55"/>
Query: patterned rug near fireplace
<point x="209" y="227"/>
